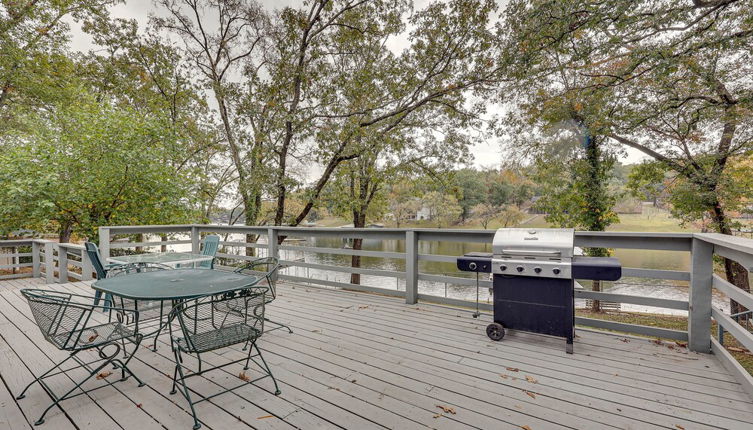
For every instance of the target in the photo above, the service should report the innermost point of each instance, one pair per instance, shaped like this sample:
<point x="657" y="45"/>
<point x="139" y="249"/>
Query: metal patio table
<point x="174" y="285"/>
<point x="172" y="259"/>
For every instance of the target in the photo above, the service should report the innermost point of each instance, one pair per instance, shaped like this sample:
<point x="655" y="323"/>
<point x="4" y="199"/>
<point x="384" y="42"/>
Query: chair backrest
<point x="211" y="244"/>
<point x="93" y="252"/>
<point x="59" y="318"/>
<point x="266" y="268"/>
<point x="130" y="268"/>
<point x="213" y="322"/>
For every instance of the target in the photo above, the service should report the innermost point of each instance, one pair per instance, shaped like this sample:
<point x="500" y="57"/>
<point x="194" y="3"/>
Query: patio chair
<point x="100" y="268"/>
<point x="64" y="320"/>
<point x="144" y="311"/>
<point x="266" y="268"/>
<point x="211" y="323"/>
<point x="211" y="244"/>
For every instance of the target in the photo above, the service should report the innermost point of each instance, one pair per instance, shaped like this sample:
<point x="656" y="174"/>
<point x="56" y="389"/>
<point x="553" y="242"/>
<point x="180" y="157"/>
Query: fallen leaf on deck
<point x="138" y="405"/>
<point x="103" y="375"/>
<point x="315" y="331"/>
<point x="531" y="379"/>
<point x="447" y="409"/>
<point x="503" y="376"/>
<point x="530" y="394"/>
<point x="626" y="340"/>
<point x="438" y="415"/>
<point x="657" y="341"/>
<point x="243" y="376"/>
<point x="525" y="428"/>
<point x="679" y="427"/>
<point x="265" y="417"/>
<point x="93" y="337"/>
<point x="513" y="369"/>
<point x="681" y="344"/>
<point x="363" y="307"/>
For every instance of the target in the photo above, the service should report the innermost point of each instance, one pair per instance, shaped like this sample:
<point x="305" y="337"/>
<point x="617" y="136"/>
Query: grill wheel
<point x="495" y="331"/>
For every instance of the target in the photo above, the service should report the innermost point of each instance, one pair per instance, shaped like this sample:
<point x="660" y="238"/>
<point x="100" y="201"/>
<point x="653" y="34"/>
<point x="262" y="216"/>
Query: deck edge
<point x="733" y="367"/>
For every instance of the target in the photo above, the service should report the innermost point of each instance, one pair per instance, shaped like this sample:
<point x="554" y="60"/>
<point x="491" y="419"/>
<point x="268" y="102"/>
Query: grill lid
<point x="545" y="244"/>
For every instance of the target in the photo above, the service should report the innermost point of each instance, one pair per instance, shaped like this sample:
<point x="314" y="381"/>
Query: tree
<point x="485" y="213"/>
<point x="330" y="96"/>
<point x="668" y="79"/>
<point x="473" y="190"/>
<point x="86" y="165"/>
<point x="646" y="181"/>
<point x="34" y="66"/>
<point x="443" y="207"/>
<point x="221" y="37"/>
<point x="510" y="216"/>
<point x="403" y="201"/>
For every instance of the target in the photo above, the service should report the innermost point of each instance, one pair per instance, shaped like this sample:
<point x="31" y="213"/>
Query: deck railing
<point x="409" y="248"/>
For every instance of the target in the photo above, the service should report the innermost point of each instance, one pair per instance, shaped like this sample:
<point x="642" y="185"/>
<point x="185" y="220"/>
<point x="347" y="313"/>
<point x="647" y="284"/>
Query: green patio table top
<point x="178" y="284"/>
<point x="167" y="258"/>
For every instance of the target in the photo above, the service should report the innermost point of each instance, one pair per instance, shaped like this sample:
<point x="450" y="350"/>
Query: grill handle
<point x="531" y="252"/>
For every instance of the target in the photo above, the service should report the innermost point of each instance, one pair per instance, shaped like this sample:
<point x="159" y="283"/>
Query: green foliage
<point x="90" y="164"/>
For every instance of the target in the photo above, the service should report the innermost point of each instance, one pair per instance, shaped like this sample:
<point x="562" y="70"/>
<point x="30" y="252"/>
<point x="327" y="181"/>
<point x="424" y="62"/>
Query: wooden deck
<point x="362" y="361"/>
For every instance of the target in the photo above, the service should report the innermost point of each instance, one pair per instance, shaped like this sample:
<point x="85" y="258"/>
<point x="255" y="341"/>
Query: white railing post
<point x="35" y="260"/>
<point x="62" y="263"/>
<point x="49" y="262"/>
<point x="699" y="313"/>
<point x="104" y="244"/>
<point x="86" y="266"/>
<point x="411" y="267"/>
<point x="195" y="240"/>
<point x="272" y="238"/>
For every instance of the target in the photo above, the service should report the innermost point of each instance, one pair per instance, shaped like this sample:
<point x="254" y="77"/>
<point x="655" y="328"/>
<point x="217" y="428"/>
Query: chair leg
<point x="40" y="377"/>
<point x="107" y="361"/>
<point x="266" y="367"/>
<point x="184" y="390"/>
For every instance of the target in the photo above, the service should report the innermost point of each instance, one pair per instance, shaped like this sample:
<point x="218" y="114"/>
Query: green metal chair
<point x="211" y="245"/>
<point x="144" y="311"/>
<point x="64" y="320"/>
<point x="267" y="268"/>
<point x="100" y="268"/>
<point x="214" y="322"/>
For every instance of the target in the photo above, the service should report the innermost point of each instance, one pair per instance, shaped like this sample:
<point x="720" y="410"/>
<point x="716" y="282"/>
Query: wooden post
<point x="195" y="240"/>
<point x="86" y="266"/>
<point x="699" y="314"/>
<point x="272" y="248"/>
<point x="62" y="264"/>
<point x="411" y="267"/>
<point x="35" y="259"/>
<point x="49" y="262"/>
<point x="104" y="244"/>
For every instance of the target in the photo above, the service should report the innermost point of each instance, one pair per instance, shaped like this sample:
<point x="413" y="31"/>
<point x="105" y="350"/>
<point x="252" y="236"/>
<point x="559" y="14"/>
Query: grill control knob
<point x="556" y="271"/>
<point x="519" y="268"/>
<point x="537" y="269"/>
<point x="502" y="268"/>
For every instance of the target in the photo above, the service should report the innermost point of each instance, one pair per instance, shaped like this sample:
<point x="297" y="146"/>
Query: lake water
<point x="648" y="259"/>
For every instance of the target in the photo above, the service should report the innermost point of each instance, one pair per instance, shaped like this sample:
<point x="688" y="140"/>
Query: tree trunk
<point x="359" y="221"/>
<point x="734" y="271"/>
<point x="596" y="304"/>
<point x="65" y="233"/>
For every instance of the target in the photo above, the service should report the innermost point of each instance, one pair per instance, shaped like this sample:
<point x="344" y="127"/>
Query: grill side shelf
<point x="596" y="268"/>
<point x="475" y="262"/>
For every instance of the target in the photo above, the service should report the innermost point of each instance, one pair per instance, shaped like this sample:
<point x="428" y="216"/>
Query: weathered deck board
<point x="365" y="361"/>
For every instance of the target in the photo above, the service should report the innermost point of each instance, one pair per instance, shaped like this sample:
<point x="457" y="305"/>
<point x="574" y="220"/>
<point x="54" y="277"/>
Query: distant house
<point x="423" y="213"/>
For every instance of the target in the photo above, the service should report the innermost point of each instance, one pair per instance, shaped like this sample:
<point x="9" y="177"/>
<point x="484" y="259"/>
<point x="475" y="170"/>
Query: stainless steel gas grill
<point x="533" y="278"/>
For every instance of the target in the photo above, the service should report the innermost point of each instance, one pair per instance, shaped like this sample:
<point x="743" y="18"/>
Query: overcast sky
<point x="487" y="153"/>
